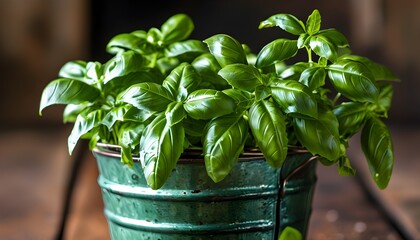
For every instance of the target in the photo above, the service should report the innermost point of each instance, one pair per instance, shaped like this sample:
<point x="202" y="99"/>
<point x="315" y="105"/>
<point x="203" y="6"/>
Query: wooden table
<point x="35" y="167"/>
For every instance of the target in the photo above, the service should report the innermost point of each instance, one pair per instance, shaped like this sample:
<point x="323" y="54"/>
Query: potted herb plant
<point x="217" y="141"/>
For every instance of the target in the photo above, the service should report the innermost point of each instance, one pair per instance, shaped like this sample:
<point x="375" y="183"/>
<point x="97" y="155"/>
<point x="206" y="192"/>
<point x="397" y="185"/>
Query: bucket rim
<point x="192" y="154"/>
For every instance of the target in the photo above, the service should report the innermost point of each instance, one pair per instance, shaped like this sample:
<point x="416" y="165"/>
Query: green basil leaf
<point x="101" y="133"/>
<point x="67" y="91"/>
<point x="377" y="146"/>
<point x="208" y="103"/>
<point x="294" y="97"/>
<point x="134" y="114"/>
<point x="161" y="146"/>
<point x="269" y="129"/>
<point x="114" y="115"/>
<point x="118" y="84"/>
<point x="262" y="92"/>
<point x="223" y="141"/>
<point x="226" y="49"/>
<point x="344" y="167"/>
<point x="149" y="96"/>
<point x="379" y="71"/>
<point x="72" y="110"/>
<point x="154" y="37"/>
<point x="294" y="71"/>
<point x="243" y="100"/>
<point x="241" y="76"/>
<point x="126" y="154"/>
<point x="208" y="85"/>
<point x="177" y="28"/>
<point x="181" y="81"/>
<point x="313" y="24"/>
<point x="73" y="70"/>
<point x="192" y="142"/>
<point x="93" y="141"/>
<point x="129" y="134"/>
<point x="351" y="117"/>
<point x="344" y="51"/>
<point x="385" y="98"/>
<point x="188" y="49"/>
<point x="85" y="122"/>
<point x="251" y="57"/>
<point x="322" y="62"/>
<point x="139" y="33"/>
<point x="175" y="113"/>
<point x="325" y="161"/>
<point x="313" y="77"/>
<point x="167" y="64"/>
<point x="323" y="47"/>
<point x="353" y="80"/>
<point x="335" y="37"/>
<point x="303" y="40"/>
<point x="207" y="67"/>
<point x="276" y="51"/>
<point x="194" y="127"/>
<point x="128" y="41"/>
<point x="319" y="136"/>
<point x="290" y="233"/>
<point x="287" y="22"/>
<point x="123" y="64"/>
<point x="94" y="71"/>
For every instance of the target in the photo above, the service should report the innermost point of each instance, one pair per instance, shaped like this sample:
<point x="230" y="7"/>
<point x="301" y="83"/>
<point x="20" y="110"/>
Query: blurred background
<point x="38" y="36"/>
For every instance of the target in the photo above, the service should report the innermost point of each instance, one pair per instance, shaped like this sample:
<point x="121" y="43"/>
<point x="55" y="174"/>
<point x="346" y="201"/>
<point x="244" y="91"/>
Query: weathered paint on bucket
<point x="245" y="205"/>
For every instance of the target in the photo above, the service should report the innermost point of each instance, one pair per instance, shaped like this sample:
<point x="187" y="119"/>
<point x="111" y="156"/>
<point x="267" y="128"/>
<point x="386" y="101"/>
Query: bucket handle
<point x="292" y="173"/>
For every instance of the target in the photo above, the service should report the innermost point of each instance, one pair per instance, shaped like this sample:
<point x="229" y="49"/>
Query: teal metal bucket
<point x="250" y="203"/>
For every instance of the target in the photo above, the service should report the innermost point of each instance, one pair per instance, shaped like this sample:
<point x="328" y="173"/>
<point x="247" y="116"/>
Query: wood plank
<point x="341" y="210"/>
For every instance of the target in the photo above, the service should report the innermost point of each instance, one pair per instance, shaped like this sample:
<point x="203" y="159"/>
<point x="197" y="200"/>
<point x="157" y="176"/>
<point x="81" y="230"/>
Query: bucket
<point x="255" y="201"/>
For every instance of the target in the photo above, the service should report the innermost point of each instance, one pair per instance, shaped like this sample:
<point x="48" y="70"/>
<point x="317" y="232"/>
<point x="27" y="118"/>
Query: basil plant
<point x="162" y="93"/>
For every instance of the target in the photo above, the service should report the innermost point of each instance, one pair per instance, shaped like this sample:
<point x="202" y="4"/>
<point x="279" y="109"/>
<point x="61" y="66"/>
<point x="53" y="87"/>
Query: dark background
<point x="38" y="36"/>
